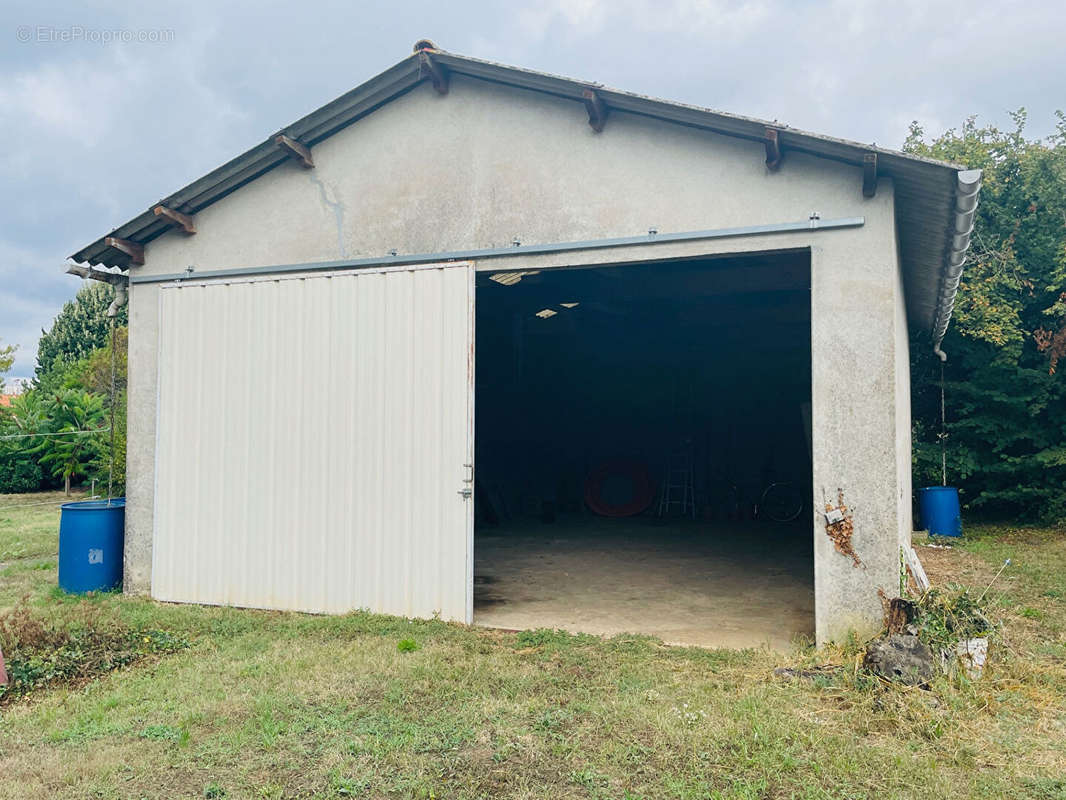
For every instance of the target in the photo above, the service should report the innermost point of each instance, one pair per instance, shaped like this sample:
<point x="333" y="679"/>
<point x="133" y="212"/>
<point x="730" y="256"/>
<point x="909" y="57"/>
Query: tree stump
<point x="902" y="659"/>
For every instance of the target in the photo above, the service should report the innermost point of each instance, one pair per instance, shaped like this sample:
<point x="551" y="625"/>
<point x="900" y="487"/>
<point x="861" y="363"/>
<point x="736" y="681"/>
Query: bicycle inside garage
<point x="643" y="459"/>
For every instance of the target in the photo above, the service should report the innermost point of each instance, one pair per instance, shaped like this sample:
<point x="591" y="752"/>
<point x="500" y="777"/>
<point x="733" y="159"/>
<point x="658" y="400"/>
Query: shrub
<point x="18" y="474"/>
<point x="946" y="616"/>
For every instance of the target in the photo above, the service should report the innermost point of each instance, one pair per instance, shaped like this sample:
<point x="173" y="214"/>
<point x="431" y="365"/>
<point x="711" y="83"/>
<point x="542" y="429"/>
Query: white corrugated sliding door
<point x="314" y="436"/>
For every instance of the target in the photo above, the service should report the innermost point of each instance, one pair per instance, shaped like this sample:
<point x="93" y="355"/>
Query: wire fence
<point x="56" y="433"/>
<point x="51" y="502"/>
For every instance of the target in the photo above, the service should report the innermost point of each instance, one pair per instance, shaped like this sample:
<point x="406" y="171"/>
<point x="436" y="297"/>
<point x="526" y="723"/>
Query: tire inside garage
<point x="695" y="374"/>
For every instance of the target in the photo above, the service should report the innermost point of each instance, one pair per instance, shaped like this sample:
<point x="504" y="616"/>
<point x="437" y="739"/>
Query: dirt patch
<point x="946" y="564"/>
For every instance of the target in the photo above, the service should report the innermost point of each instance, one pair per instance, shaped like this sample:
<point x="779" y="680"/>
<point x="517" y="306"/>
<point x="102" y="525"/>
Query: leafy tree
<point x="95" y="371"/>
<point x="27" y="415"/>
<point x="7" y="358"/>
<point x="61" y="376"/>
<point x="101" y="468"/>
<point x="69" y="447"/>
<point x="19" y="471"/>
<point x="1006" y="407"/>
<point x="80" y="328"/>
<point x="18" y="468"/>
<point x="60" y="424"/>
<point x="96" y="377"/>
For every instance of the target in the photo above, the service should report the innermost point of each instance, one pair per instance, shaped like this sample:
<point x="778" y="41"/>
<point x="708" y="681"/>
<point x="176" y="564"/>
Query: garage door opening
<point x="643" y="450"/>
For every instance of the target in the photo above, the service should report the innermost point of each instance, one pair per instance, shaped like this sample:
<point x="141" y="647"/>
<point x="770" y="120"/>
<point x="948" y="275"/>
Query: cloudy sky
<point x="98" y="130"/>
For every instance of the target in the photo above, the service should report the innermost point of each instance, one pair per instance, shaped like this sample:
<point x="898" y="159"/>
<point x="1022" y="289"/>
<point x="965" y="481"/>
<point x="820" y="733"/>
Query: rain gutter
<point x="967" y="189"/>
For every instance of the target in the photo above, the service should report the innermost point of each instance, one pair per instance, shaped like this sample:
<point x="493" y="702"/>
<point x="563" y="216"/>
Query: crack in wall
<point x="336" y="206"/>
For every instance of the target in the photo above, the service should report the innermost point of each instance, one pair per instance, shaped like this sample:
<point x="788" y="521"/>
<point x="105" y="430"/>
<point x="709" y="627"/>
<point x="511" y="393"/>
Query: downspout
<point x="967" y="188"/>
<point x="119" y="280"/>
<point x="119" y="301"/>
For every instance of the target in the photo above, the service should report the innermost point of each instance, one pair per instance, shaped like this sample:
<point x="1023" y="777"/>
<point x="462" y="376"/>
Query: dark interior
<point x="715" y="352"/>
<point x="617" y="370"/>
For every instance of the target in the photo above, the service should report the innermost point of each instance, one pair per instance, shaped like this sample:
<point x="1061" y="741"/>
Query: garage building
<point x="524" y="351"/>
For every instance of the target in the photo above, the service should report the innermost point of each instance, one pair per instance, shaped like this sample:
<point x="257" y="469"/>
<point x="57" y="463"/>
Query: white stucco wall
<point x="485" y="165"/>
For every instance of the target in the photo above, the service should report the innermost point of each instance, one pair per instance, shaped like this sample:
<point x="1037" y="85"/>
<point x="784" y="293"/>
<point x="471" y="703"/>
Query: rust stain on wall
<point x="841" y="531"/>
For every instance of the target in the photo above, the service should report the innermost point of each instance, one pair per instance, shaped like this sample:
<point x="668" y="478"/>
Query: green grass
<point x="270" y="705"/>
<point x="29" y="524"/>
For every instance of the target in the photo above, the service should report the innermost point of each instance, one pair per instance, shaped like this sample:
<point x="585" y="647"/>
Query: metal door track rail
<point x="812" y="224"/>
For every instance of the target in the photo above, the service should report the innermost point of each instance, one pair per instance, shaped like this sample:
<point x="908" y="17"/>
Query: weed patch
<point x="551" y="639"/>
<point x="40" y="651"/>
<point x="166" y="733"/>
<point x="945" y="616"/>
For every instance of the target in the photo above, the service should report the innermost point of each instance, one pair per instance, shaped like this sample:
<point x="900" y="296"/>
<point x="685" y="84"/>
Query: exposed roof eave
<point x="248" y="166"/>
<point x="926" y="190"/>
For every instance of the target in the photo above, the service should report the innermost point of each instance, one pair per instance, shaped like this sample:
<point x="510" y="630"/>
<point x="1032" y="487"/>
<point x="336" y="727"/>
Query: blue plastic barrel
<point x="90" y="545"/>
<point x="938" y="510"/>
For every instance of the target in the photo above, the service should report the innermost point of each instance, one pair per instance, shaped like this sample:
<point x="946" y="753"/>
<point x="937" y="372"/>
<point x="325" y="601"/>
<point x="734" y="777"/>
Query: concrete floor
<point x="692" y="583"/>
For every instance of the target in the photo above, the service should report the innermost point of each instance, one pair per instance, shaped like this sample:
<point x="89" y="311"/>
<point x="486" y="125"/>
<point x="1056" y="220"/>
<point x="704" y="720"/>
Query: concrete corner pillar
<point x="140" y="438"/>
<point x="860" y="414"/>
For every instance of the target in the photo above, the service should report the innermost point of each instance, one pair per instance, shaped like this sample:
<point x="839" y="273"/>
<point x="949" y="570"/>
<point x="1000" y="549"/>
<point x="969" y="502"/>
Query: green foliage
<point x="100" y="467"/>
<point x="97" y="378"/>
<point x="18" y="474"/>
<point x="949" y="615"/>
<point x="40" y="652"/>
<point x="70" y="396"/>
<point x="1006" y="407"/>
<point x="7" y="358"/>
<point x="165" y="733"/>
<point x="95" y="375"/>
<point x="19" y="470"/>
<point x="76" y="418"/>
<point x="61" y="376"/>
<point x="408" y="645"/>
<point x="81" y="327"/>
<point x="548" y="638"/>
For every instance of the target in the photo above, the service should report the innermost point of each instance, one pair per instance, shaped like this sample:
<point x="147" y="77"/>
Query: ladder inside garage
<point x="678" y="485"/>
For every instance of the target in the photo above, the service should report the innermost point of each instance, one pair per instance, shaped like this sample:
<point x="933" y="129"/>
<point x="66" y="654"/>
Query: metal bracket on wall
<point x="869" y="175"/>
<point x="773" y="150"/>
<point x="597" y="109"/>
<point x="438" y="75"/>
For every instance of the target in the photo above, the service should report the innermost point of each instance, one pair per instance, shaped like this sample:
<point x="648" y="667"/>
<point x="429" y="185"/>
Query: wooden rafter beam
<point x="869" y="175"/>
<point x="295" y="149"/>
<point x="183" y="221"/>
<point x="438" y="75"/>
<point x="597" y="109"/>
<point x="774" y="155"/>
<point x="132" y="249"/>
